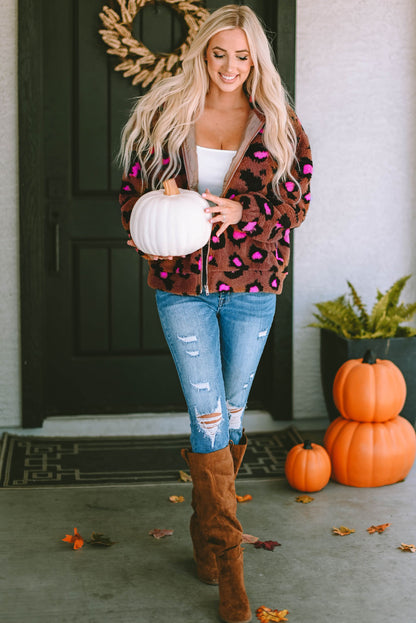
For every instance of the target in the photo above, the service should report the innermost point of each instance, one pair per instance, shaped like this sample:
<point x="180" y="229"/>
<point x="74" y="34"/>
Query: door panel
<point x="101" y="348"/>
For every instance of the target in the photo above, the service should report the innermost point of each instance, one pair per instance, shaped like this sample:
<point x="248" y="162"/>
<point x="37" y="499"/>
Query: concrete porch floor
<point x="318" y="577"/>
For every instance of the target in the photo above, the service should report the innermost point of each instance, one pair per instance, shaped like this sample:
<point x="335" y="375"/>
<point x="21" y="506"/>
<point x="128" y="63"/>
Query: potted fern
<point x="348" y="330"/>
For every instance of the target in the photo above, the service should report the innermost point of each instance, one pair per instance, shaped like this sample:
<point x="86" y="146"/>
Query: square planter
<point x="335" y="350"/>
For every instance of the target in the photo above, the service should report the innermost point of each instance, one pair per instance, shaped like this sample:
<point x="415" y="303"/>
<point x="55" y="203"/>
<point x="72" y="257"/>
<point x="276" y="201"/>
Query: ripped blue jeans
<point x="216" y="341"/>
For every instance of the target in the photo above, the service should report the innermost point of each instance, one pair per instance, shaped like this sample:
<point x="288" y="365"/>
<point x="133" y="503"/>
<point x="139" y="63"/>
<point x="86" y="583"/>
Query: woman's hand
<point x="228" y="212"/>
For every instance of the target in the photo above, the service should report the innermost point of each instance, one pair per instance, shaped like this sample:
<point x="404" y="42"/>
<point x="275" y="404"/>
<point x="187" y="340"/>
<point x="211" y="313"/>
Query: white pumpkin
<point x="170" y="222"/>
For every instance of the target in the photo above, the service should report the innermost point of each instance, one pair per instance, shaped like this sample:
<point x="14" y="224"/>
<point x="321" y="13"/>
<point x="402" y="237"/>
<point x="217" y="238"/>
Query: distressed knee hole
<point x="192" y="353"/>
<point x="262" y="334"/>
<point x="209" y="423"/>
<point x="235" y="416"/>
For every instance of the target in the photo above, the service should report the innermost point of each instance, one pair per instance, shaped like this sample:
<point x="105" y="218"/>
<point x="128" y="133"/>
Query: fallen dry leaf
<point x="269" y="545"/>
<point x="160" y="533"/>
<point x="75" y="538"/>
<point x="304" y="499"/>
<point x="265" y="615"/>
<point x="184" y="477"/>
<point x="343" y="531"/>
<point x="244" y="498"/>
<point x="247" y="538"/>
<point x="176" y="499"/>
<point x="407" y="548"/>
<point x="97" y="538"/>
<point x="379" y="529"/>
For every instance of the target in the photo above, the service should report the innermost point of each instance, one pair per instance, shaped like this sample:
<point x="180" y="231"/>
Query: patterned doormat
<point x="39" y="462"/>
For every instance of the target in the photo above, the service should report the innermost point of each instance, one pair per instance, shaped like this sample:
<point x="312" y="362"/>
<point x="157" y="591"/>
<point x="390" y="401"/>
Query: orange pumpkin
<point x="308" y="467"/>
<point x="369" y="389"/>
<point x="370" y="454"/>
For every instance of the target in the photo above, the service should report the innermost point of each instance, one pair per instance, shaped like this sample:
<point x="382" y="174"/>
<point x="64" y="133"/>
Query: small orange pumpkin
<point x="370" y="454"/>
<point x="308" y="467"/>
<point x="369" y="389"/>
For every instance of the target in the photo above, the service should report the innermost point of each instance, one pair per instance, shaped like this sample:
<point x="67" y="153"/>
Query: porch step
<point x="147" y="424"/>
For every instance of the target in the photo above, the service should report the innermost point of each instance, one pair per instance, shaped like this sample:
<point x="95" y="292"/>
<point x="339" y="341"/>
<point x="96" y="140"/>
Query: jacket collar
<point x="254" y="125"/>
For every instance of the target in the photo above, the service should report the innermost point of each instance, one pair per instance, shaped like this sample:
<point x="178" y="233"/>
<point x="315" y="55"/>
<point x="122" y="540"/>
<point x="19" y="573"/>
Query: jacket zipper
<point x="204" y="268"/>
<point x="205" y="250"/>
<point x="237" y="164"/>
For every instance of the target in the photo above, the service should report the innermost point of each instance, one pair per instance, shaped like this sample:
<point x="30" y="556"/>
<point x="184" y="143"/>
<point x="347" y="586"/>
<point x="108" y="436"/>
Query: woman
<point x="222" y="127"/>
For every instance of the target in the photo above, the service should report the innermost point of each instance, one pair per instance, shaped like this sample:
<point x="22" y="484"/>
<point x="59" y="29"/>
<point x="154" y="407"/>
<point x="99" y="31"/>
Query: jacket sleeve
<point x="267" y="217"/>
<point x="132" y="188"/>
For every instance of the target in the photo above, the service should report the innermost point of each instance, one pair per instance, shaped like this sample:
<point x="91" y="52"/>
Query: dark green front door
<point x="91" y="336"/>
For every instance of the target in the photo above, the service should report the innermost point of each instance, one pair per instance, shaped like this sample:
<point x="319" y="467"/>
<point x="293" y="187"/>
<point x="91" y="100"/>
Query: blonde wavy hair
<point x="161" y="119"/>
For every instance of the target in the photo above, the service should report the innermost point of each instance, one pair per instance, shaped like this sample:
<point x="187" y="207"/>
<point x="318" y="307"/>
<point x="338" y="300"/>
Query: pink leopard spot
<point x="163" y="275"/>
<point x="286" y="237"/>
<point x="237" y="262"/>
<point x="238" y="235"/>
<point x="308" y="197"/>
<point x="290" y="186"/>
<point x="274" y="283"/>
<point x="215" y="239"/>
<point x="261" y="155"/>
<point x="279" y="259"/>
<point x="254" y="289"/>
<point x="126" y="188"/>
<point x="200" y="264"/>
<point x="307" y="169"/>
<point x="166" y="160"/>
<point x="250" y="226"/>
<point x="210" y="258"/>
<point x="224" y="288"/>
<point x="278" y="226"/>
<point x="257" y="255"/>
<point x="135" y="169"/>
<point x="267" y="209"/>
<point x="232" y="196"/>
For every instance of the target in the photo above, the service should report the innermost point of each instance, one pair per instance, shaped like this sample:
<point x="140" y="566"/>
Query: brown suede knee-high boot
<point x="216" y="506"/>
<point x="206" y="561"/>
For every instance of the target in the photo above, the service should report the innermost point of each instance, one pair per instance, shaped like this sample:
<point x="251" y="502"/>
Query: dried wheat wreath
<point x="140" y="62"/>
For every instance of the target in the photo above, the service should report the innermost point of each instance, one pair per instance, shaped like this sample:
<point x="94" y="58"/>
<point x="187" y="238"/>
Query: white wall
<point x="356" y="96"/>
<point x="9" y="224"/>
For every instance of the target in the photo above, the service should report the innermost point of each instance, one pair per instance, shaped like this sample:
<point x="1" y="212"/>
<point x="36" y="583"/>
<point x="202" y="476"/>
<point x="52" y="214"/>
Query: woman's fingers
<point x="226" y="211"/>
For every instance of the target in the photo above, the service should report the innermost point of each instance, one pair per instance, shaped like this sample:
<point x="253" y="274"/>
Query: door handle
<point x="57" y="247"/>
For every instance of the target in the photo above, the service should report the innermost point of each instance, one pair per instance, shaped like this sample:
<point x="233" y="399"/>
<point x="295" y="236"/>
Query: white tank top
<point x="213" y="165"/>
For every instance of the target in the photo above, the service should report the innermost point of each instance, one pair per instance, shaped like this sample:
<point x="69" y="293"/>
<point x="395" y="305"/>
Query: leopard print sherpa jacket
<point x="253" y="255"/>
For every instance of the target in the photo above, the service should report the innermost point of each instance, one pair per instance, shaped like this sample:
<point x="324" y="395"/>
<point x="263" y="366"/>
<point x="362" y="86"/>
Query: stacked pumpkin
<point x="370" y="444"/>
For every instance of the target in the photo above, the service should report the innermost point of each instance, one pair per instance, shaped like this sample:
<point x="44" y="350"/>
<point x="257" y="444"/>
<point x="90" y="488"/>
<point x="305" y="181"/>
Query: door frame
<point x="33" y="237"/>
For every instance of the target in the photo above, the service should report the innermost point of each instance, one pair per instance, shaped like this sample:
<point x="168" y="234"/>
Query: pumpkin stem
<point x="307" y="445"/>
<point x="370" y="357"/>
<point x="171" y="187"/>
